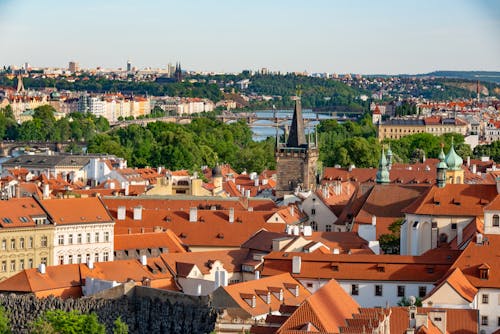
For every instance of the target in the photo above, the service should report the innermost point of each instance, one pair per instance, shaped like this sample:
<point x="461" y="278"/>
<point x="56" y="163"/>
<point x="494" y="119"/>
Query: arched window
<point x="496" y="221"/>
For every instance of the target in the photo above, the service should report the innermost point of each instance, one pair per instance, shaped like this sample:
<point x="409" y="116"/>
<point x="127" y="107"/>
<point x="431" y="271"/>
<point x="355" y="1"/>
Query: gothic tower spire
<point x="297" y="137"/>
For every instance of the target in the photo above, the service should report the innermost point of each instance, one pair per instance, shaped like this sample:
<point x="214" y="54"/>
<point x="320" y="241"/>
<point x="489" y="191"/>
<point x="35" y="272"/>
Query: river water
<point x="262" y="129"/>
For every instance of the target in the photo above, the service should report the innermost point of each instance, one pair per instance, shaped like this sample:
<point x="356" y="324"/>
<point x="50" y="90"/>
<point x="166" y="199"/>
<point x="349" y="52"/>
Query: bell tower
<point x="296" y="160"/>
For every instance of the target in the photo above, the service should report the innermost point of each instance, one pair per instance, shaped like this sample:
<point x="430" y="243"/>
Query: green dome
<point x="441" y="158"/>
<point x="453" y="160"/>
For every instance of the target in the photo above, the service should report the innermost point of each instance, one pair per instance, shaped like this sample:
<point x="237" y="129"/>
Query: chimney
<point x="296" y="230"/>
<point x="138" y="213"/>
<point x="374" y="220"/>
<point x="292" y="211"/>
<point x="468" y="161"/>
<point x="257" y="274"/>
<point x="90" y="264"/>
<point x="42" y="268"/>
<point x="307" y="231"/>
<point x="296" y="264"/>
<point x="474" y="168"/>
<point x="336" y="251"/>
<point x="231" y="215"/>
<point x="247" y="193"/>
<point x="256" y="182"/>
<point x="193" y="215"/>
<point x="121" y="213"/>
<point x="479" y="238"/>
<point x="126" y="189"/>
<point x="18" y="190"/>
<point x="46" y="191"/>
<point x="289" y="229"/>
<point x="144" y="260"/>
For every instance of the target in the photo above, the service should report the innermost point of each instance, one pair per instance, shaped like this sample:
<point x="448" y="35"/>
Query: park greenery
<point x="207" y="141"/>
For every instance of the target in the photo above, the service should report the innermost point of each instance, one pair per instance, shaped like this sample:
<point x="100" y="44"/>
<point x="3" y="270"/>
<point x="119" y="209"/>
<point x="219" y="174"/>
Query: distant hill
<point x="490" y="76"/>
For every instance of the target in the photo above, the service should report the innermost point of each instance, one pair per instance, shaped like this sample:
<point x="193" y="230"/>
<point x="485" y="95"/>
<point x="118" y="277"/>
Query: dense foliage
<point x="62" y="322"/>
<point x="390" y="242"/>
<point x="44" y="126"/>
<point x="491" y="150"/>
<point x="205" y="141"/>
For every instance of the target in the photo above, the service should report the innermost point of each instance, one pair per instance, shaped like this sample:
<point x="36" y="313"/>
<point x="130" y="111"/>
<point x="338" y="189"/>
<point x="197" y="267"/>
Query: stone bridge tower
<point x="296" y="160"/>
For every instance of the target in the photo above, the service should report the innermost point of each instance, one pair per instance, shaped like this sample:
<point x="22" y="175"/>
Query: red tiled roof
<point x="166" y="239"/>
<point x="76" y="210"/>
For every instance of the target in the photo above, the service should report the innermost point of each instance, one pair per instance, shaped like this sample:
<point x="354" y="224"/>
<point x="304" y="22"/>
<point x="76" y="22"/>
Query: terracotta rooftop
<point x="76" y="210"/>
<point x="19" y="212"/>
<point x="164" y="239"/>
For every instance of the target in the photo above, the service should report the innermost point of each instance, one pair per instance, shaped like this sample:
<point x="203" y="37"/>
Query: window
<point x="105" y="256"/>
<point x="485" y="298"/>
<point x="96" y="257"/>
<point x="401" y="290"/>
<point x="30" y="263"/>
<point x="21" y="243"/>
<point x="79" y="258"/>
<point x="60" y="240"/>
<point x="4" y="244"/>
<point x="422" y="291"/>
<point x="496" y="220"/>
<point x="498" y="322"/>
<point x="43" y="260"/>
<point x="378" y="290"/>
<point x="21" y="264"/>
<point x="484" y="320"/>
<point x="79" y="238"/>
<point x="70" y="259"/>
<point x="88" y="238"/>
<point x="96" y="239"/>
<point x="24" y="219"/>
<point x="4" y="266"/>
<point x="106" y="236"/>
<point x="87" y="258"/>
<point x="44" y="241"/>
<point x="12" y="243"/>
<point x="354" y="289"/>
<point x="314" y="226"/>
<point x="61" y="259"/>
<point x="453" y="226"/>
<point x="328" y="228"/>
<point x="30" y="242"/>
<point x="313" y="211"/>
<point x="13" y="265"/>
<point x="70" y="239"/>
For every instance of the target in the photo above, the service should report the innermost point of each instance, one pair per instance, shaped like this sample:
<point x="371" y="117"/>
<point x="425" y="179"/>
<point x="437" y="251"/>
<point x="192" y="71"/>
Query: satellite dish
<point x="412" y="300"/>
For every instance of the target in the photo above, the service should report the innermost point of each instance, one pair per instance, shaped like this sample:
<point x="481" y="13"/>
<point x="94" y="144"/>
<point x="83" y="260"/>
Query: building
<point x="296" y="161"/>
<point x="83" y="230"/>
<point x="26" y="236"/>
<point x="397" y="128"/>
<point x="73" y="66"/>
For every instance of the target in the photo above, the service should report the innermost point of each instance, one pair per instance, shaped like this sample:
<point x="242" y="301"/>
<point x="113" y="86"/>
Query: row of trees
<point x="64" y="322"/>
<point x="45" y="127"/>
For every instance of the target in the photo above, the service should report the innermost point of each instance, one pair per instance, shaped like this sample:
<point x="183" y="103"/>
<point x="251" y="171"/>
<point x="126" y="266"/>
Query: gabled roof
<point x="476" y="255"/>
<point x="19" y="212"/>
<point x="243" y="293"/>
<point x="326" y="310"/>
<point x="424" y="268"/>
<point x="164" y="239"/>
<point x="456" y="279"/>
<point x="455" y="200"/>
<point x="230" y="259"/>
<point x="62" y="279"/>
<point x="76" y="210"/>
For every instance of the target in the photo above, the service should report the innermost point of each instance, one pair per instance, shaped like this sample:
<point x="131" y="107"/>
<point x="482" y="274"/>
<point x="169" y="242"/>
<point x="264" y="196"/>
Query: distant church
<point x="296" y="160"/>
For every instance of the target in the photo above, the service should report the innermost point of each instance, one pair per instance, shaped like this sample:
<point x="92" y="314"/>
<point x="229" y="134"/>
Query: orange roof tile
<point x="76" y="210"/>
<point x="456" y="279"/>
<point x="166" y="239"/>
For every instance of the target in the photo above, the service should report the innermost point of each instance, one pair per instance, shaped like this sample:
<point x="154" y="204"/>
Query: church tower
<point x="296" y="160"/>
<point x="455" y="173"/>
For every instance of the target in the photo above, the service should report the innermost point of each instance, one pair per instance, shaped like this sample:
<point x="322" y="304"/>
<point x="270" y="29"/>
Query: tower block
<point x="296" y="160"/>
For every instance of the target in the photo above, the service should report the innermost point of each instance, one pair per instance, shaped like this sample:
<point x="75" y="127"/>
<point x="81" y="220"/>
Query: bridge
<point x="250" y="118"/>
<point x="7" y="146"/>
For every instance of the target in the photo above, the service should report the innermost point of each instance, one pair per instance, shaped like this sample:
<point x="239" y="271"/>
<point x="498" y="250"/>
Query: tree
<point x="61" y="322"/>
<point x="4" y="321"/>
<point x="120" y="327"/>
<point x="406" y="302"/>
<point x="390" y="242"/>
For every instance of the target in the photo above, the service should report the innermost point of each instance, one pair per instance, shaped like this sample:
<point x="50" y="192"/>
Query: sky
<point x="333" y="36"/>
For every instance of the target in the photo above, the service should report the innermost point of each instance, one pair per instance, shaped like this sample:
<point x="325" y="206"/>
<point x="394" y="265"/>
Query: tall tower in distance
<point x="129" y="66"/>
<point x="178" y="72"/>
<point x="73" y="67"/>
<point x="296" y="160"/>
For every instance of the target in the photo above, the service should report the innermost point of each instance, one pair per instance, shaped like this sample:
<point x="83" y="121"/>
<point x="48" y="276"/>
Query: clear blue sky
<point x="335" y="36"/>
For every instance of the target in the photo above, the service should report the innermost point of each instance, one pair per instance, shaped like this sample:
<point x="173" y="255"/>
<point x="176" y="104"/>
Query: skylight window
<point x="7" y="220"/>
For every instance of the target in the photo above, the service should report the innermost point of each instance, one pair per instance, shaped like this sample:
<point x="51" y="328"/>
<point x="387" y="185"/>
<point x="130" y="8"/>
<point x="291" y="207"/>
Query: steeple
<point x="453" y="160"/>
<point x="441" y="169"/>
<point x="297" y="137"/>
<point x="383" y="172"/>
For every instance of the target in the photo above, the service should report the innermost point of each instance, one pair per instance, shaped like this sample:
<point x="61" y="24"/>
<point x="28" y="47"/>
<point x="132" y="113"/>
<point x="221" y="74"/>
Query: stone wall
<point x="142" y="314"/>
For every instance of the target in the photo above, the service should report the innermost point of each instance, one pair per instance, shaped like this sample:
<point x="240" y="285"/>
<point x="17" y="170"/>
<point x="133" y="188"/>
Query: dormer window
<point x="484" y="271"/>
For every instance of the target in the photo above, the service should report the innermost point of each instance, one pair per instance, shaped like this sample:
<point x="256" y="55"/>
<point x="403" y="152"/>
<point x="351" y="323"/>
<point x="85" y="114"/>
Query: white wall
<point x="491" y="310"/>
<point x="366" y="296"/>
